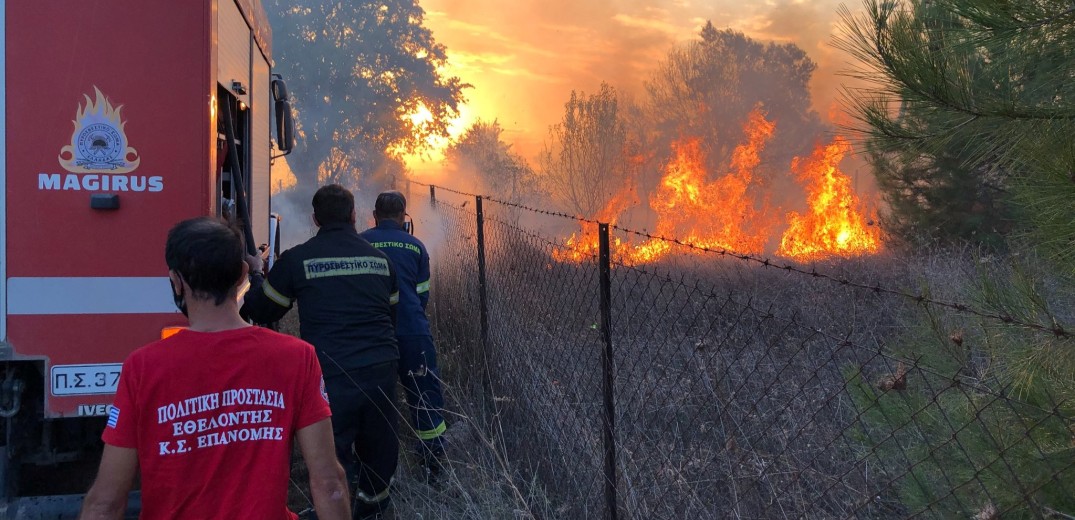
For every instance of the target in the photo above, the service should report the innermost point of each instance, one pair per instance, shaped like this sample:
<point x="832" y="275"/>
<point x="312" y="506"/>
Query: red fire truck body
<point x="115" y="118"/>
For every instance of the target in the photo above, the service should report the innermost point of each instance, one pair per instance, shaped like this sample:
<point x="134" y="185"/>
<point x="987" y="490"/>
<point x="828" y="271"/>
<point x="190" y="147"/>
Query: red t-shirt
<point x="213" y="416"/>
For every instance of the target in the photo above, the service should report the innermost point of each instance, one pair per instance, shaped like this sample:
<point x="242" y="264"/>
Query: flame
<point x="835" y="223"/>
<point x="586" y="244"/>
<point x="731" y="214"/>
<point x="716" y="215"/>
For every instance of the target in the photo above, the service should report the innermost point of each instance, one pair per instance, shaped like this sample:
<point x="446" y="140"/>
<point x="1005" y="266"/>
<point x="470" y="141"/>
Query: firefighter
<point x="418" y="356"/>
<point x="346" y="293"/>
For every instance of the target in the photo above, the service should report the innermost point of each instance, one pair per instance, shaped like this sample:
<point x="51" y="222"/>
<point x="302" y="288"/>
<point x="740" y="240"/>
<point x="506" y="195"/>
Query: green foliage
<point x="937" y="198"/>
<point x="974" y="90"/>
<point x="968" y="118"/>
<point x="951" y="449"/>
<point x="987" y="417"/>
<point x="358" y="71"/>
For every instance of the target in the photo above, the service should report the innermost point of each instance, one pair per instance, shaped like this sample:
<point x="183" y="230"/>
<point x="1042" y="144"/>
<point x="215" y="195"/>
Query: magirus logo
<point x="99" y="154"/>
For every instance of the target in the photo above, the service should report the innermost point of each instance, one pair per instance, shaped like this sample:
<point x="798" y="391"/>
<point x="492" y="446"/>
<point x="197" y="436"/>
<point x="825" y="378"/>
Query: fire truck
<point x="119" y="118"/>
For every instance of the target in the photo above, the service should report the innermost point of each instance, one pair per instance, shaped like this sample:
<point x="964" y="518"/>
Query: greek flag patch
<point x="113" y="416"/>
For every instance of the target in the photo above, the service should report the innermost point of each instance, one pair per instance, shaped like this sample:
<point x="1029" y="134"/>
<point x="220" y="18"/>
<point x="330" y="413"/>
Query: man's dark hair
<point x="333" y="204"/>
<point x="390" y="204"/>
<point x="208" y="254"/>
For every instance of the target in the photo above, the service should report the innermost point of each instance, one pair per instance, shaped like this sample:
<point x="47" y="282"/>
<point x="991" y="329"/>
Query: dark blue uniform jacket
<point x="346" y="291"/>
<point x="411" y="262"/>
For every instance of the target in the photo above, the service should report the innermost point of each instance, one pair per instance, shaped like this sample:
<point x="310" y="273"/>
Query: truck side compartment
<point x="110" y="133"/>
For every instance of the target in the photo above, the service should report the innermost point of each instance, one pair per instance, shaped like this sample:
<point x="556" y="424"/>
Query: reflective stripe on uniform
<point x="423" y="287"/>
<point x="394" y="299"/>
<point x="426" y="435"/>
<point x="275" y="295"/>
<point x="374" y="499"/>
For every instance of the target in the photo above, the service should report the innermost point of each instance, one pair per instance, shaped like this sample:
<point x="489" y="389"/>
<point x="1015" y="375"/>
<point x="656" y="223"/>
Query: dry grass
<point x="738" y="387"/>
<point x="741" y="391"/>
<point x="474" y="487"/>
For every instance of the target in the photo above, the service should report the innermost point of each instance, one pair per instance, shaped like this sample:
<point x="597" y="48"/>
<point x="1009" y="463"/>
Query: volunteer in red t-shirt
<point x="209" y="415"/>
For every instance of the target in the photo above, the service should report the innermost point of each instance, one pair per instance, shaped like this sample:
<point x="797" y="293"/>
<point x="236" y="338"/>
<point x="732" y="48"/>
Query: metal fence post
<point x="483" y="302"/>
<point x="432" y="195"/>
<point x="605" y="259"/>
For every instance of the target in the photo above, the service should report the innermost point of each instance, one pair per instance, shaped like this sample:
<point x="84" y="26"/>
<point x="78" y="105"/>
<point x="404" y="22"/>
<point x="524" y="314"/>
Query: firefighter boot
<point x="366" y="510"/>
<point x="432" y="460"/>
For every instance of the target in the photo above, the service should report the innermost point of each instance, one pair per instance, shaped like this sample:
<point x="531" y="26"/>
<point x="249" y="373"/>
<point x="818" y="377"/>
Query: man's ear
<point x="244" y="276"/>
<point x="313" y="216"/>
<point x="354" y="216"/>
<point x="177" y="282"/>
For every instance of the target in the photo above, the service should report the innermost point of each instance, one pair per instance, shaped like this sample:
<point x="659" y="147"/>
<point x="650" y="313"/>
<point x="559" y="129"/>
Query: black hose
<point x="238" y="186"/>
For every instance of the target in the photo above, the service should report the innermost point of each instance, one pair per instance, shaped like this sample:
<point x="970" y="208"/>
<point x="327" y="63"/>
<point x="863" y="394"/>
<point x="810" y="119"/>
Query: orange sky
<point x="524" y="57"/>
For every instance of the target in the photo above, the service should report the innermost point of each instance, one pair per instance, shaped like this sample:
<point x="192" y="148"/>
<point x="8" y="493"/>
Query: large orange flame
<point x="717" y="215"/>
<point x="585" y="244"/>
<point x="835" y="223"/>
<point x="727" y="214"/>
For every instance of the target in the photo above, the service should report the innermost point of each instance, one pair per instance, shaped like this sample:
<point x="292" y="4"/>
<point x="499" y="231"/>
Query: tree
<point x="588" y="156"/>
<point x="366" y="83"/>
<point x="970" y="100"/>
<point x="980" y="92"/>
<point x="938" y="197"/>
<point x="503" y="173"/>
<point x="707" y="87"/>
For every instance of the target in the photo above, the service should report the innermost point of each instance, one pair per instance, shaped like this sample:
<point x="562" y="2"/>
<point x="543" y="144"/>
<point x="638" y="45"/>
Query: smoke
<point x="296" y="216"/>
<point x="525" y="57"/>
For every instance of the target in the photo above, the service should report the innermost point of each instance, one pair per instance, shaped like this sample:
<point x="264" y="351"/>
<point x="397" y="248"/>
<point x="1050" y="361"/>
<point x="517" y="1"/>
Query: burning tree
<point x="707" y="87"/>
<point x="836" y="222"/>
<point x="717" y="214"/>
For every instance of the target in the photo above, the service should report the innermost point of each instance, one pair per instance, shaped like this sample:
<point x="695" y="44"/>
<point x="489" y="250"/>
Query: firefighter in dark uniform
<point x="346" y="293"/>
<point x="418" y="357"/>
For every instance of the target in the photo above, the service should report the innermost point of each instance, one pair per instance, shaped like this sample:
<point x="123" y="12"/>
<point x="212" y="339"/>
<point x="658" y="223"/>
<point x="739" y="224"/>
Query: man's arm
<point x="393" y="298"/>
<point x="268" y="300"/>
<point x="328" y="483"/>
<point x="423" y="278"/>
<point x="107" y="499"/>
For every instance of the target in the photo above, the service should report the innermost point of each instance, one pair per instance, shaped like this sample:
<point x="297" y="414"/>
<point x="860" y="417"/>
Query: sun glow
<point x="423" y="163"/>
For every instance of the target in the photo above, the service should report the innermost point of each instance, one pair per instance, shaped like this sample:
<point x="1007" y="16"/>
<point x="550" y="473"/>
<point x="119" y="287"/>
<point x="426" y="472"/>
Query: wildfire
<point x="586" y="244"/>
<point x="718" y="215"/>
<point x="727" y="214"/>
<point x="835" y="224"/>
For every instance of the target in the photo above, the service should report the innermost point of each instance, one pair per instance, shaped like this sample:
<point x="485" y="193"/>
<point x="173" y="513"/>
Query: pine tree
<point x="972" y="102"/>
<point x="974" y="91"/>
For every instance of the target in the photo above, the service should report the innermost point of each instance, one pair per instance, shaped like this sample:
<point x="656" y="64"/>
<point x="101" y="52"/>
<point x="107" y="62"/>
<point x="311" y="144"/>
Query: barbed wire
<point x="1055" y="328"/>
<point x="539" y="211"/>
<point x="839" y="340"/>
<point x="791" y="401"/>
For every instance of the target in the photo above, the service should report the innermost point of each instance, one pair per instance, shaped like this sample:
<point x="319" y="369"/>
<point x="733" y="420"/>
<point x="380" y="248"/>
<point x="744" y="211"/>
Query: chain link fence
<point x="716" y="385"/>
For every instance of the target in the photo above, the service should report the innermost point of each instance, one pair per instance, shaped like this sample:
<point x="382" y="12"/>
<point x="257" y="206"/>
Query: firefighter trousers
<point x="365" y="426"/>
<point x="420" y="378"/>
